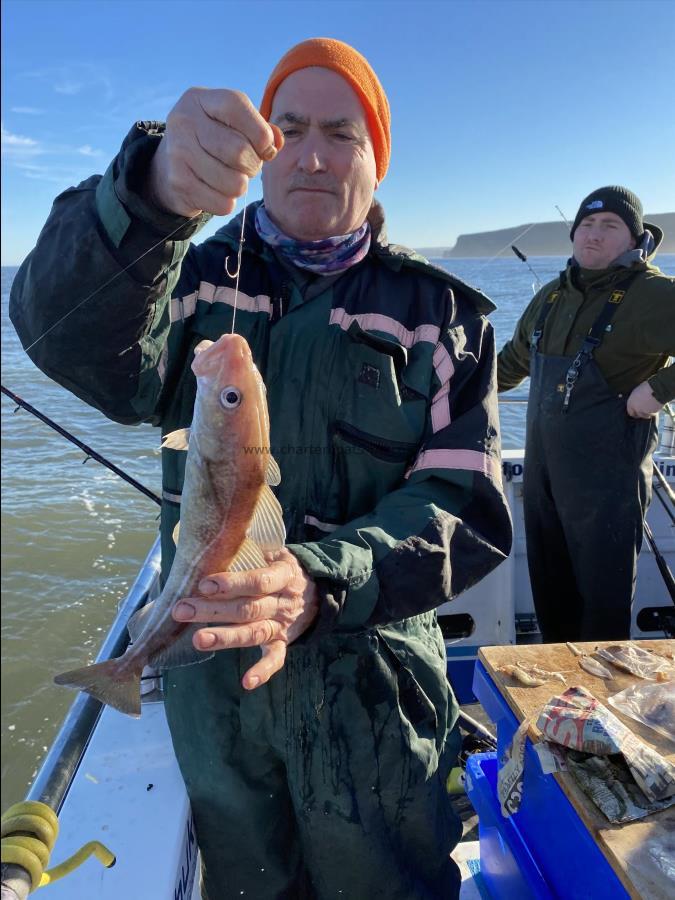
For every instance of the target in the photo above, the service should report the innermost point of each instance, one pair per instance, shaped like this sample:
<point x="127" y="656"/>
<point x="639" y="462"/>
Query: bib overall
<point x="587" y="486"/>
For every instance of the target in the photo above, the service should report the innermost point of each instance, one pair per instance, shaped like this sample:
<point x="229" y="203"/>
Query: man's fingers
<point x="228" y="146"/>
<point x="278" y="136"/>
<point x="272" y="661"/>
<point x="233" y="108"/>
<point x="206" y="197"/>
<point x="255" y="583"/>
<point x="220" y="137"/>
<point x="228" y="637"/>
<point x="225" y="183"/>
<point x="233" y="612"/>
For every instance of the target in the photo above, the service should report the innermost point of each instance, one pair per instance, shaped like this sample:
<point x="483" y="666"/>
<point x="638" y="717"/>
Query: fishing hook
<point x="233" y="275"/>
<point x="240" y="250"/>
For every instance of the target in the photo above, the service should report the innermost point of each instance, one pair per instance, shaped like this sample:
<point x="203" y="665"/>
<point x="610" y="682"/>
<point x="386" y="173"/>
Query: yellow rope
<point x="29" y="832"/>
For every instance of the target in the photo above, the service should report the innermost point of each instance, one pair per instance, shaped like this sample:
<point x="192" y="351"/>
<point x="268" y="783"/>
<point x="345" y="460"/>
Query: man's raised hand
<point x="215" y="140"/>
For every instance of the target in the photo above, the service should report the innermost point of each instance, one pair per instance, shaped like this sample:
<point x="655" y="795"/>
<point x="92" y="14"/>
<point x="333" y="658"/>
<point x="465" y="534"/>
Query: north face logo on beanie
<point x="615" y="199"/>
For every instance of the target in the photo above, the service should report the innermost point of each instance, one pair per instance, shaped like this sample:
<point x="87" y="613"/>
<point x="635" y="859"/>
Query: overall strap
<point x="546" y="308"/>
<point x="595" y="336"/>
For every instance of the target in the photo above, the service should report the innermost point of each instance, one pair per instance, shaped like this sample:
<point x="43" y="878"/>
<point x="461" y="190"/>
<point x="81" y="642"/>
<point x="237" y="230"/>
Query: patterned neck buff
<point x="325" y="257"/>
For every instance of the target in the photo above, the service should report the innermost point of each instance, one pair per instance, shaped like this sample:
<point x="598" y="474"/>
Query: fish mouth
<point x="228" y="350"/>
<point x="236" y="346"/>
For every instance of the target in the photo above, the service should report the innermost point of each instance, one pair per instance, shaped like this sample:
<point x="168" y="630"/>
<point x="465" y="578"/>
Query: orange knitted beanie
<point x="355" y="69"/>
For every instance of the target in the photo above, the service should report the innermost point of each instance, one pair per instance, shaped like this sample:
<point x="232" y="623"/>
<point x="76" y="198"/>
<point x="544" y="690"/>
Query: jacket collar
<point x="394" y="256"/>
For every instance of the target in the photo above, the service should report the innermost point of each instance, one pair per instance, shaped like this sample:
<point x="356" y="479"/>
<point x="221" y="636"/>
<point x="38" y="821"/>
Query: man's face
<point x="321" y="183"/>
<point x="599" y="239"/>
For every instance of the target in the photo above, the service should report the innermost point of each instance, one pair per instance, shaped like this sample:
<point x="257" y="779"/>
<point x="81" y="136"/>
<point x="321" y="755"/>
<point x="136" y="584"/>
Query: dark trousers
<point x="329" y="781"/>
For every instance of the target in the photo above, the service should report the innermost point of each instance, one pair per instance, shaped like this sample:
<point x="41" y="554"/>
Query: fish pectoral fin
<point x="175" y="533"/>
<point x="181" y="652"/>
<point x="249" y="556"/>
<point x="176" y="440"/>
<point x="108" y="682"/>
<point x="267" y="525"/>
<point x="273" y="474"/>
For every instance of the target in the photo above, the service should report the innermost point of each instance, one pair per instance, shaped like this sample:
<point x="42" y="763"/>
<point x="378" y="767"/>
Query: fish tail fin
<point x="115" y="685"/>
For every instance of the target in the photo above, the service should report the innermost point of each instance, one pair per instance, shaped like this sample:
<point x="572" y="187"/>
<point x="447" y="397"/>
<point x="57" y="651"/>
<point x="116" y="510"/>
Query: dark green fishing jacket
<point x="637" y="347"/>
<point x="380" y="383"/>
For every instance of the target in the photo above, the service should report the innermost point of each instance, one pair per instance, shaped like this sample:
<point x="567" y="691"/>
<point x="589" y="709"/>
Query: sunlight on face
<point x="599" y="239"/>
<point x="321" y="183"/>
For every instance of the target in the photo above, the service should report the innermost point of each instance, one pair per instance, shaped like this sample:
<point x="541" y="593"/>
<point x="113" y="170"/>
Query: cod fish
<point x="229" y="516"/>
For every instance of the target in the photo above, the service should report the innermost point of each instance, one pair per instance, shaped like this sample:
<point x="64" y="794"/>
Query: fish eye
<point x="230" y="397"/>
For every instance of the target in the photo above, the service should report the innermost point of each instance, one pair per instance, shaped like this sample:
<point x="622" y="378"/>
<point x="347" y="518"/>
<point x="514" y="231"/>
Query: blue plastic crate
<point x="564" y="850"/>
<point x="506" y="865"/>
<point x="460" y="676"/>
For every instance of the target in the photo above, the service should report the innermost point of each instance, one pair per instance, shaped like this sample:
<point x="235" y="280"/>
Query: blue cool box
<point x="556" y="841"/>
<point x="506" y="865"/>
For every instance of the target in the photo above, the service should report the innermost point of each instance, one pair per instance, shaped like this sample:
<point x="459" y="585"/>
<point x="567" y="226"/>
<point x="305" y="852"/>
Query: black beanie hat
<point x="614" y="199"/>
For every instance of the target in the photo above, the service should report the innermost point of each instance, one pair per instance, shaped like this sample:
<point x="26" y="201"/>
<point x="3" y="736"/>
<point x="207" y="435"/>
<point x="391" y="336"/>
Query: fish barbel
<point x="229" y="516"/>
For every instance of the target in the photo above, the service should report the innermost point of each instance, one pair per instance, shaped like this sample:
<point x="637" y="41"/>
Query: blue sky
<point x="500" y="110"/>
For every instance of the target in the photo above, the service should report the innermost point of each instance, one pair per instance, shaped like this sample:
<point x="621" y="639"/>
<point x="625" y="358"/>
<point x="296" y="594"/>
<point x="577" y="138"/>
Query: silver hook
<point x="235" y="274"/>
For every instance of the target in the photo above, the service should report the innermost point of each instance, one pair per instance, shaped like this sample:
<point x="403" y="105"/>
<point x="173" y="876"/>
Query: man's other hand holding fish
<point x="266" y="608"/>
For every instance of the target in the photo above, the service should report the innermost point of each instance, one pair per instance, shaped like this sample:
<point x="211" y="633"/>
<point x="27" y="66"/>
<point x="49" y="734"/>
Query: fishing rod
<point x="663" y="566"/>
<point x="90" y="453"/>
<point x="564" y="217"/>
<point x="669" y="512"/>
<point x="521" y="256"/>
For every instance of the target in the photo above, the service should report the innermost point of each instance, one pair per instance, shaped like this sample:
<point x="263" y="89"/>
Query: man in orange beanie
<point x="316" y="768"/>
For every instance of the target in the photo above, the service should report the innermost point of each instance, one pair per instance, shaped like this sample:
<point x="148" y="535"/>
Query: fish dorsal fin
<point x="273" y="474"/>
<point x="176" y="440"/>
<point x="249" y="557"/>
<point x="175" y="533"/>
<point x="267" y="525"/>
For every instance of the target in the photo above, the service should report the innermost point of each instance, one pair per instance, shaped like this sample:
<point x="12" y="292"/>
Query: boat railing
<point x="56" y="773"/>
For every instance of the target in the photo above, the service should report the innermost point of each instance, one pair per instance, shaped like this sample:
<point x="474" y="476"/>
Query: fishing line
<point x="240" y="250"/>
<point x="517" y="238"/>
<point x="110" y="280"/>
<point x="505" y="247"/>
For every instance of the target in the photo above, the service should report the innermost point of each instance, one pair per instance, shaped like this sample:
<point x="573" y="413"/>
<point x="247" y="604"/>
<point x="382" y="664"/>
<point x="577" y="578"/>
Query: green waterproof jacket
<point x="636" y="348"/>
<point x="380" y="383"/>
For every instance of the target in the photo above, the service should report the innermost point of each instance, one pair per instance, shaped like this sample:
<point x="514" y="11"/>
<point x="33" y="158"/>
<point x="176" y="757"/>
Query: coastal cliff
<point x="542" y="239"/>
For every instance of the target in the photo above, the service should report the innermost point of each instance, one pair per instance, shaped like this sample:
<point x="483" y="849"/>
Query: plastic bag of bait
<point x="578" y="721"/>
<point x="638" y="661"/>
<point x="651" y="704"/>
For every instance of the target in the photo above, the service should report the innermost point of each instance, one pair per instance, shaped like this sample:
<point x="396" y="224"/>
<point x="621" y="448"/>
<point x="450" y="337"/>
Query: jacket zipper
<point x="390" y="451"/>
<point x="279" y="301"/>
